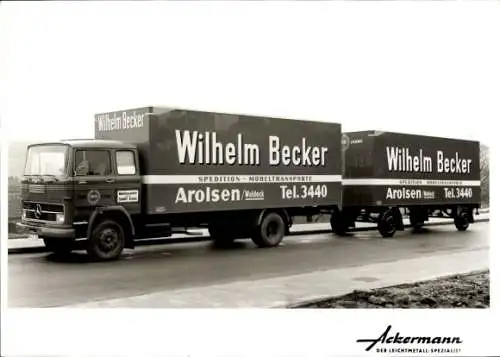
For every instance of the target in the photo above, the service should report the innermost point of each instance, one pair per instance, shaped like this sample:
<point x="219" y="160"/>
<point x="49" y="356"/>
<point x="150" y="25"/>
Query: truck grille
<point x="42" y="211"/>
<point x="32" y="188"/>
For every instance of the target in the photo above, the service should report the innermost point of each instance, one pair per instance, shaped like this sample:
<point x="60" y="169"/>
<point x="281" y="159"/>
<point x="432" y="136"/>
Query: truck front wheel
<point x="106" y="241"/>
<point x="270" y="232"/>
<point x="339" y="223"/>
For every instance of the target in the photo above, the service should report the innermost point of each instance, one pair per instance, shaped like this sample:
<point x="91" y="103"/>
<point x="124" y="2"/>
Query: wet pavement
<point x="41" y="280"/>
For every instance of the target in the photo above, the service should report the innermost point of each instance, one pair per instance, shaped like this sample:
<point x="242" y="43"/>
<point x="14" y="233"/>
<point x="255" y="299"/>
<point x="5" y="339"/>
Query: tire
<point x="338" y="224"/>
<point x="462" y="221"/>
<point x="416" y="221"/>
<point x="387" y="224"/>
<point x="59" y="246"/>
<point x="417" y="225"/>
<point x="270" y="232"/>
<point x="106" y="241"/>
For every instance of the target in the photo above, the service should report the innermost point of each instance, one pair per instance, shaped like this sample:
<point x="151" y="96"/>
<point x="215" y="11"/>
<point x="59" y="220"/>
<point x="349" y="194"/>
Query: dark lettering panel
<point x="383" y="168"/>
<point x="415" y="157"/>
<point x="202" y="161"/>
<point x="190" y="142"/>
<point x="395" y="195"/>
<point x="213" y="197"/>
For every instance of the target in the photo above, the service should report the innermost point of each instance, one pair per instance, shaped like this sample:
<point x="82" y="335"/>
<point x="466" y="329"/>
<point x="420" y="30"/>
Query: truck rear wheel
<point x="270" y="232"/>
<point x="59" y="246"/>
<point x="387" y="224"/>
<point x="106" y="241"/>
<point x="462" y="221"/>
<point x="339" y="224"/>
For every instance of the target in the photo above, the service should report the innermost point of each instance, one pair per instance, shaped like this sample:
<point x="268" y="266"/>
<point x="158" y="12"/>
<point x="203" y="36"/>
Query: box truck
<point x="150" y="172"/>
<point x="387" y="175"/>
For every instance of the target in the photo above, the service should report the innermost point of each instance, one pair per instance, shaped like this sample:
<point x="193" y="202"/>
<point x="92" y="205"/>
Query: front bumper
<point x="47" y="231"/>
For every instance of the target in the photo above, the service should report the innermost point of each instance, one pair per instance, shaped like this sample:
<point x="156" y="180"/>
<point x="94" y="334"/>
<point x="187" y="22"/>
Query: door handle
<point x="81" y="182"/>
<point x="110" y="180"/>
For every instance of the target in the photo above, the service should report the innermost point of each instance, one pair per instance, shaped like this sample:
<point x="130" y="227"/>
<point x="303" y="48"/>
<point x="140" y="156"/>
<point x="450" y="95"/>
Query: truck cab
<point x="82" y="189"/>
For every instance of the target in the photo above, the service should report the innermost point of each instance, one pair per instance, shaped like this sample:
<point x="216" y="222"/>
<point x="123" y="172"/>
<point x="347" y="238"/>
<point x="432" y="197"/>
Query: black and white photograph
<point x="288" y="164"/>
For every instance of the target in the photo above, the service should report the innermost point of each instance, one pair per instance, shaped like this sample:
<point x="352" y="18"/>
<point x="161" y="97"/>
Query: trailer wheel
<point x="417" y="225"/>
<point x="387" y="224"/>
<point x="270" y="232"/>
<point x="106" y="241"/>
<point x="417" y="219"/>
<point x="59" y="246"/>
<point x="462" y="221"/>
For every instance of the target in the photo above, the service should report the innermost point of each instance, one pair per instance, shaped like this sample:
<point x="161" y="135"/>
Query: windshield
<point x="46" y="160"/>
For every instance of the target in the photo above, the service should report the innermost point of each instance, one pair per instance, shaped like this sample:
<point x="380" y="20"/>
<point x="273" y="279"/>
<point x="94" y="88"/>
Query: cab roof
<point x="92" y="143"/>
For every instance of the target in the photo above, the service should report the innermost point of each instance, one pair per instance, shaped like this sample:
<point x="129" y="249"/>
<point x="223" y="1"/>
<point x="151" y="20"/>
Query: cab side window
<point x="92" y="163"/>
<point x="125" y="162"/>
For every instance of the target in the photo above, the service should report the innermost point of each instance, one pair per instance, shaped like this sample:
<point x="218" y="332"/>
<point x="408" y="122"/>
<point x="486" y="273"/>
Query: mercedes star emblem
<point x="38" y="211"/>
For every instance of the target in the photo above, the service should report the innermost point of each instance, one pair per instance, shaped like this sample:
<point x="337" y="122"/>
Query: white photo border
<point x="257" y="332"/>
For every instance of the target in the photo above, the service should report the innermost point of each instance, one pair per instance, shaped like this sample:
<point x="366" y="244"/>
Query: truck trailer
<point x="387" y="175"/>
<point x="152" y="171"/>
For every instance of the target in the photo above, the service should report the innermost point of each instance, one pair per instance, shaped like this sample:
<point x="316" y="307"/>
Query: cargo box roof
<point x="93" y="143"/>
<point x="384" y="132"/>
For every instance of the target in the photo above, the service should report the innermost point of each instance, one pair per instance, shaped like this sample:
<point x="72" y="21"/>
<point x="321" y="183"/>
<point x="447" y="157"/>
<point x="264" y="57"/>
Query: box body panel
<point x="194" y="161"/>
<point x="387" y="169"/>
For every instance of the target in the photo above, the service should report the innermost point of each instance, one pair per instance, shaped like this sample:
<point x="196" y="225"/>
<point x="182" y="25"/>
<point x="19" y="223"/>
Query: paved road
<point x="37" y="280"/>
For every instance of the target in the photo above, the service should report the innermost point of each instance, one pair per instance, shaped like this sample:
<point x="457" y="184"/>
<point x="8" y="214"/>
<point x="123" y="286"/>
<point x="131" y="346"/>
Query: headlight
<point x="60" y="218"/>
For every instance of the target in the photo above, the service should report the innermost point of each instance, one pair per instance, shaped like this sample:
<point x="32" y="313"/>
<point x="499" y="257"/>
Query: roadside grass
<point x="458" y="291"/>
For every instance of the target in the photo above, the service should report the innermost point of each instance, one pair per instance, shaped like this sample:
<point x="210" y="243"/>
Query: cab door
<point x="95" y="180"/>
<point x="128" y="180"/>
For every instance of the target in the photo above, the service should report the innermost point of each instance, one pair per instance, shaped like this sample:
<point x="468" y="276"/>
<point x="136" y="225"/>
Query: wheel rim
<point x="108" y="240"/>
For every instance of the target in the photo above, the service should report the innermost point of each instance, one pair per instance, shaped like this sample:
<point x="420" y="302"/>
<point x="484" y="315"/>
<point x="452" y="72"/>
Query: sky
<point x="379" y="65"/>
